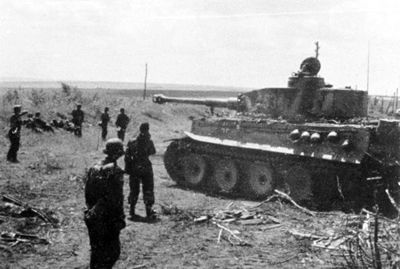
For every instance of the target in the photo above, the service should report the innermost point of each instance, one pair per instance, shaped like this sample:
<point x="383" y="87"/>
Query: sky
<point x="246" y="43"/>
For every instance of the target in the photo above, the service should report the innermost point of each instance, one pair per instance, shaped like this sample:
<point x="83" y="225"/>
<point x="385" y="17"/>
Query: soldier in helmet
<point x="122" y="123"/>
<point x="14" y="133"/>
<point x="139" y="168"/>
<point x="77" y="119"/>
<point x="105" y="118"/>
<point x="105" y="216"/>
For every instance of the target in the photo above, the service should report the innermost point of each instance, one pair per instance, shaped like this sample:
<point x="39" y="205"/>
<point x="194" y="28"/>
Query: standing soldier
<point x="139" y="168"/>
<point x="105" y="216"/>
<point x="14" y="133"/>
<point x="77" y="119"/>
<point x="105" y="118"/>
<point x="121" y="123"/>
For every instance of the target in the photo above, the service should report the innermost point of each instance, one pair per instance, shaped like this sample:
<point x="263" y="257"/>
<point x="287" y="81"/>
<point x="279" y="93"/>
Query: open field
<point x="50" y="177"/>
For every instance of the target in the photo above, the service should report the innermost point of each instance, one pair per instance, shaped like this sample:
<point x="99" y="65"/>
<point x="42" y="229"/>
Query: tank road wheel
<point x="194" y="169"/>
<point x="260" y="179"/>
<point x="172" y="162"/>
<point x="298" y="181"/>
<point x="226" y="175"/>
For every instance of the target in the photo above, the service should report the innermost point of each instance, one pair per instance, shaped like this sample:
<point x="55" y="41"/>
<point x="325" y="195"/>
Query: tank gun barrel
<point x="230" y="103"/>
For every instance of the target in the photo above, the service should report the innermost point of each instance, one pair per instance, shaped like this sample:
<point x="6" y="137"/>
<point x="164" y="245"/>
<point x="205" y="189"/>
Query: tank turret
<point x="308" y="139"/>
<point x="307" y="98"/>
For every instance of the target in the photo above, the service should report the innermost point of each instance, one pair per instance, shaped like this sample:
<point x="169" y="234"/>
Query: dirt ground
<point x="50" y="178"/>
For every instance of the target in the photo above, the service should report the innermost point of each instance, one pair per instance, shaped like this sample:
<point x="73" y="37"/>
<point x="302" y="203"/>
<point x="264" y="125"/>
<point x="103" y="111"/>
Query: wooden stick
<point x="392" y="201"/>
<point x="266" y="201"/>
<point x="309" y="236"/>
<point x="139" y="266"/>
<point x="219" y="236"/>
<point x="287" y="197"/>
<point x="233" y="234"/>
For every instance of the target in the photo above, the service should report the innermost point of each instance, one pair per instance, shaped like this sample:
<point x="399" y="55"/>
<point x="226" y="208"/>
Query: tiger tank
<point x="309" y="139"/>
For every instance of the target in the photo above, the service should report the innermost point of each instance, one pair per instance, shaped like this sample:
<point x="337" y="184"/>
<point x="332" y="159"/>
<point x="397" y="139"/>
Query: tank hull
<point x="257" y="157"/>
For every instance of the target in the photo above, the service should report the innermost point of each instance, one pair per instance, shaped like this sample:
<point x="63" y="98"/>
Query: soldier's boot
<point x="132" y="212"/>
<point x="150" y="213"/>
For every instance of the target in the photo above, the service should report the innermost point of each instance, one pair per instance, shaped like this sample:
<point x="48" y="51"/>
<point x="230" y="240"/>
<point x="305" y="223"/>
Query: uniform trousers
<point x="14" y="147"/>
<point x="144" y="175"/>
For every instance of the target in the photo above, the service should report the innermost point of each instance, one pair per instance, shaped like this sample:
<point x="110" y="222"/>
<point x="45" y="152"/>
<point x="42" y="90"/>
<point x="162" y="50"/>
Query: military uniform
<point x="140" y="170"/>
<point x="122" y="123"/>
<point x="77" y="119"/>
<point x="14" y="134"/>
<point x="105" y="118"/>
<point x="105" y="216"/>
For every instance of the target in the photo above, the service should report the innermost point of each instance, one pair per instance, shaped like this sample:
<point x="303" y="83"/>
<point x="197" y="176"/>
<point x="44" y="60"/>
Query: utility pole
<point x="145" y="83"/>
<point x="316" y="50"/>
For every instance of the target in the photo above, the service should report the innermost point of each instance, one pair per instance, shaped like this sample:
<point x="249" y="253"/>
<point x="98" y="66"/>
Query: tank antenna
<point x="317" y="50"/>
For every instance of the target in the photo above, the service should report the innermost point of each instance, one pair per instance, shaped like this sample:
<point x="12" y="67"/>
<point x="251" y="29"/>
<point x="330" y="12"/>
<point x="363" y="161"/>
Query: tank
<point x="308" y="139"/>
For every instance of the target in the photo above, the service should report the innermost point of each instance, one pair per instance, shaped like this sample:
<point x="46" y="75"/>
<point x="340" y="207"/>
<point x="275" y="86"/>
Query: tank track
<point x="325" y="191"/>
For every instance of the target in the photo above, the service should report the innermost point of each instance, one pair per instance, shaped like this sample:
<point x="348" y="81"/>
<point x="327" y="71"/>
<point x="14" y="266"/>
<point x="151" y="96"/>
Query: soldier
<point x="41" y="124"/>
<point x="139" y="168"/>
<point x="29" y="122"/>
<point x="105" y="118"/>
<point x="105" y="216"/>
<point x="14" y="133"/>
<point x="121" y="123"/>
<point x="77" y="119"/>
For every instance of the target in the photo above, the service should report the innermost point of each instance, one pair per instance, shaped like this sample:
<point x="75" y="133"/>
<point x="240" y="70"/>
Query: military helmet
<point x="114" y="146"/>
<point x="144" y="127"/>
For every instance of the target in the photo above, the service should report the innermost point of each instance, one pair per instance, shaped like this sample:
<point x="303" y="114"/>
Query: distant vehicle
<point x="309" y="139"/>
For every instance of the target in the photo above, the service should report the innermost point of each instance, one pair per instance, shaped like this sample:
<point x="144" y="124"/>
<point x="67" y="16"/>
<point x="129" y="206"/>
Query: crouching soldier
<point x="105" y="216"/>
<point x="140" y="170"/>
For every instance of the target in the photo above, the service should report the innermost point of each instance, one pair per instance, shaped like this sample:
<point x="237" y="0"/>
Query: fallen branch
<point x="271" y="227"/>
<point x="242" y="242"/>
<point x="392" y="201"/>
<point x="139" y="266"/>
<point x="266" y="200"/>
<point x="36" y="211"/>
<point x="287" y="197"/>
<point x="219" y="236"/>
<point x="308" y="236"/>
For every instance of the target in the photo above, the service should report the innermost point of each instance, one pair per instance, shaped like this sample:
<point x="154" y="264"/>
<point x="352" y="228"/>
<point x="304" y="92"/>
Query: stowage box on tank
<point x="308" y="139"/>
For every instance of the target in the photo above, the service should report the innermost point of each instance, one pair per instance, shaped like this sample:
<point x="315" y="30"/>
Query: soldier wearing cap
<point x="77" y="119"/>
<point x="122" y="123"/>
<point x="105" y="118"/>
<point x="140" y="170"/>
<point x="14" y="133"/>
<point x="105" y="216"/>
